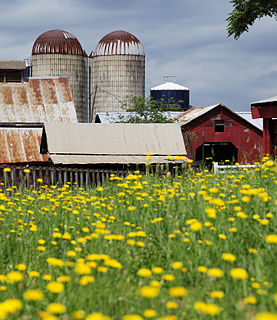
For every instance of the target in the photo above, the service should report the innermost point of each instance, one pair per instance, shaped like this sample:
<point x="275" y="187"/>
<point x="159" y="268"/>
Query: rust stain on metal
<point x="57" y="42"/>
<point x="21" y="145"/>
<point x="35" y="92"/>
<point x="117" y="43"/>
<point x="39" y="100"/>
<point x="6" y="95"/>
<point x="63" y="90"/>
<point x="49" y="91"/>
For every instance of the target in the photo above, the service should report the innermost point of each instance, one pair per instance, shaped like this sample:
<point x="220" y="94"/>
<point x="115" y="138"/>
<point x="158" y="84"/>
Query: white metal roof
<point x="112" y="117"/>
<point x="248" y="116"/>
<point x="169" y="86"/>
<point x="272" y="99"/>
<point x="80" y="143"/>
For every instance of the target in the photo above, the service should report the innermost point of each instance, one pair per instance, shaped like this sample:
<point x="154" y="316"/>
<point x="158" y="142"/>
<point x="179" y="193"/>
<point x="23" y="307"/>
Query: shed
<point x="84" y="143"/>
<point x="12" y="70"/>
<point x="219" y="133"/>
<point x="267" y="110"/>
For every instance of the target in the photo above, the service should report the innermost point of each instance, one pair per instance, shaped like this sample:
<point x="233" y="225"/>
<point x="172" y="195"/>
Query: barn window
<point x="219" y="126"/>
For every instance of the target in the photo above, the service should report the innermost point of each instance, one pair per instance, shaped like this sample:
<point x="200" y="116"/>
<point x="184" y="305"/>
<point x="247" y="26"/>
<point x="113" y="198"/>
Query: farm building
<point x="112" y="144"/>
<point x="12" y="70"/>
<point x="24" y="107"/>
<point x="217" y="132"/>
<point x="266" y="111"/>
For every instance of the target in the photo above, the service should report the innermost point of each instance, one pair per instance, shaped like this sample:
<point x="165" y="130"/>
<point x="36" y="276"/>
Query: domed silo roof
<point x="118" y="43"/>
<point x="57" y="42"/>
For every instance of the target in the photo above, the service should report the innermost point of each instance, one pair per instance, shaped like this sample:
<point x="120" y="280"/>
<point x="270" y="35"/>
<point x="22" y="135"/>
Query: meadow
<point x="192" y="246"/>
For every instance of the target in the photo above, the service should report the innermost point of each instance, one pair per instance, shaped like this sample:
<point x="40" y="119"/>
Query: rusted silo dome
<point x="118" y="43"/>
<point x="57" y="42"/>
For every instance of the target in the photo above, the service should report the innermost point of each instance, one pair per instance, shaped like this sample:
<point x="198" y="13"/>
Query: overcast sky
<point x="182" y="38"/>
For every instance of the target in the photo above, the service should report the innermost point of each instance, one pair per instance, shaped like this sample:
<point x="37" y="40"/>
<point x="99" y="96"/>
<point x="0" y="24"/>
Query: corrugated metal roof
<point x="169" y="86"/>
<point x="112" y="117"/>
<point x="268" y="100"/>
<point x="108" y="143"/>
<point x="38" y="100"/>
<point x="12" y="64"/>
<point x="248" y="116"/>
<point x="20" y="145"/>
<point x="118" y="42"/>
<point x="193" y="113"/>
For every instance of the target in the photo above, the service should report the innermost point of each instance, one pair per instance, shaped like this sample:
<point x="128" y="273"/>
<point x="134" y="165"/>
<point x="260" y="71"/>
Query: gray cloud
<point x="185" y="38"/>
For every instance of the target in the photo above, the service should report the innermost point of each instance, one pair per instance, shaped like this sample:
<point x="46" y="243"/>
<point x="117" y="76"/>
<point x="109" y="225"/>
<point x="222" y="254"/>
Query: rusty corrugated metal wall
<point x="20" y="145"/>
<point x="38" y="100"/>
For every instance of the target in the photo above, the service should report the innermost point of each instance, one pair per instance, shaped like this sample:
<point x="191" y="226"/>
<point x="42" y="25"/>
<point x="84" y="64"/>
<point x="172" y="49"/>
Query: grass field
<point x="195" y="246"/>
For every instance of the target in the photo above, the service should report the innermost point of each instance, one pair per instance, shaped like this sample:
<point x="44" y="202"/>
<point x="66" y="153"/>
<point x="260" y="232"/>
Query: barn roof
<point x="85" y="143"/>
<point x="20" y="143"/>
<point x="196" y="112"/>
<point x="38" y="100"/>
<point x="12" y="65"/>
<point x="193" y="113"/>
<point x="268" y="100"/>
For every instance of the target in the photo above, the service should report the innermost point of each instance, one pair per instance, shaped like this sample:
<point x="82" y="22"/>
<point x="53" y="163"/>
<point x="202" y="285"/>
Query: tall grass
<point x="212" y="237"/>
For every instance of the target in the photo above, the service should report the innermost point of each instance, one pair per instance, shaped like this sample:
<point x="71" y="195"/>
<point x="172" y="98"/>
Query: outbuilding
<point x="218" y="133"/>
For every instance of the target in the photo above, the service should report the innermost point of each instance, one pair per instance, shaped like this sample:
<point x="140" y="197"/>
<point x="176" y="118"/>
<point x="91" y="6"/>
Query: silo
<point x="59" y="53"/>
<point x="171" y="92"/>
<point x="117" y="71"/>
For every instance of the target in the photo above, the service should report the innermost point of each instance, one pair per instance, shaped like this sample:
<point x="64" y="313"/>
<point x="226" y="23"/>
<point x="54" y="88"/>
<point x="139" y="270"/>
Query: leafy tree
<point x="245" y="12"/>
<point x="147" y="110"/>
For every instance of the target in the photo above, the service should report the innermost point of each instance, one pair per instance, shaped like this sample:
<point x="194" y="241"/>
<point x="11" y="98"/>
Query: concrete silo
<point x="59" y="53"/>
<point x="117" y="71"/>
<point x="172" y="93"/>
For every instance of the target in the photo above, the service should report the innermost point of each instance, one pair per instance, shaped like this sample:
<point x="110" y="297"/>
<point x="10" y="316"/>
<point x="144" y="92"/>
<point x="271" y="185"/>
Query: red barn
<point x="217" y="132"/>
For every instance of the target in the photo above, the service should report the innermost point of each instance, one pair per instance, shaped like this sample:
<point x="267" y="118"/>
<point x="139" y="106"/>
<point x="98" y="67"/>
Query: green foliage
<point x="245" y="12"/>
<point x="112" y="234"/>
<point x="147" y="110"/>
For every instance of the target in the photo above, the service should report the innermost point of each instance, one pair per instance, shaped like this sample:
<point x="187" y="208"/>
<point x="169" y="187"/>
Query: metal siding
<point x="38" y="100"/>
<point x="21" y="145"/>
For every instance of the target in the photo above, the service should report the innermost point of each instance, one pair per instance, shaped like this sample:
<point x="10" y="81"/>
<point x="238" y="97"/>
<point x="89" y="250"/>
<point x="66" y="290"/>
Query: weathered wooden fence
<point x="32" y="175"/>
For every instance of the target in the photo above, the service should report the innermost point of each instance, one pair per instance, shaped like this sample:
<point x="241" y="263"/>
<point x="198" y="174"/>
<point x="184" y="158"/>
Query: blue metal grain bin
<point x="171" y="92"/>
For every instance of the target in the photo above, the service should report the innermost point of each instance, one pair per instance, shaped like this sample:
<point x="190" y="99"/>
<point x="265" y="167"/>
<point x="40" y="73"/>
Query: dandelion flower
<point x="144" y="273"/>
<point x="177" y="292"/>
<point x="149" y="292"/>
<point x="56" y="308"/>
<point x="33" y="295"/>
<point x="217" y="294"/>
<point x="271" y="238"/>
<point x="228" y="257"/>
<point x="97" y="316"/>
<point x="172" y="305"/>
<point x="78" y="314"/>
<point x="250" y="300"/>
<point x="266" y="316"/>
<point x="239" y="273"/>
<point x="131" y="317"/>
<point x="55" y="287"/>
<point x="215" y="272"/>
<point x="149" y="313"/>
